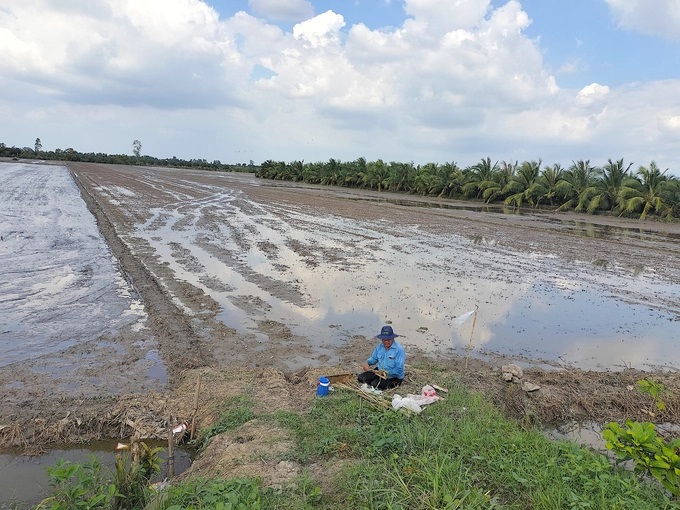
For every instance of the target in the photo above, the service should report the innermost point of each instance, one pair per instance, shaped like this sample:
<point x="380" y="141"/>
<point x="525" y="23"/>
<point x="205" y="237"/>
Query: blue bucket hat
<point x="386" y="333"/>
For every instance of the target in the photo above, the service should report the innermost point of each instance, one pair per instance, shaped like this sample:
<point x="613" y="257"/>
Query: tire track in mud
<point x="179" y="345"/>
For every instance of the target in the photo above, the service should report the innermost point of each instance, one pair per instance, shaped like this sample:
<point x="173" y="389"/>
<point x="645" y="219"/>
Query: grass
<point x="459" y="453"/>
<point x="235" y="412"/>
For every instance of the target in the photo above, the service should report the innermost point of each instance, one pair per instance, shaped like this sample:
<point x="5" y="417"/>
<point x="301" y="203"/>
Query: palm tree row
<point x="613" y="188"/>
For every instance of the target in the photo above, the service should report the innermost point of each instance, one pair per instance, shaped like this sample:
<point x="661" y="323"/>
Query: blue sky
<point x="409" y="80"/>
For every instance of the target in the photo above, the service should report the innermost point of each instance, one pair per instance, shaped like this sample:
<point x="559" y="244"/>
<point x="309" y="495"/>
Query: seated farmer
<point x="389" y="356"/>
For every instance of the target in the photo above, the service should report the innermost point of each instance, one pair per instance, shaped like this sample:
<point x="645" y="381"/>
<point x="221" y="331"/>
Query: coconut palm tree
<point x="331" y="173"/>
<point x="400" y="177"/>
<point x="496" y="189"/>
<point x="352" y="172"/>
<point x="674" y="201"/>
<point x="295" y="171"/>
<point x="448" y="181"/>
<point x="312" y="172"/>
<point x="652" y="195"/>
<point x="614" y="183"/>
<point x="547" y="188"/>
<point x="480" y="177"/>
<point x="521" y="188"/>
<point x="376" y="175"/>
<point x="266" y="169"/>
<point x="576" y="181"/>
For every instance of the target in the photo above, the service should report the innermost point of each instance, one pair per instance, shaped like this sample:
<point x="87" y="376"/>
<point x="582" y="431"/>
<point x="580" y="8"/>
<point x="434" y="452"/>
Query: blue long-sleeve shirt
<point x="390" y="360"/>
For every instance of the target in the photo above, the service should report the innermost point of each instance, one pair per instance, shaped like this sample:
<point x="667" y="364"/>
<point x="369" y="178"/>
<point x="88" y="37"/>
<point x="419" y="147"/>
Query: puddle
<point x="24" y="479"/>
<point x="157" y="370"/>
<point x="589" y="435"/>
<point x="578" y="228"/>
<point x="584" y="229"/>
<point x="584" y="434"/>
<point x="493" y="209"/>
<point x="313" y="272"/>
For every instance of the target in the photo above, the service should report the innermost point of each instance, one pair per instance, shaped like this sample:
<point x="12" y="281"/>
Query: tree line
<point x="119" y="159"/>
<point x="613" y="188"/>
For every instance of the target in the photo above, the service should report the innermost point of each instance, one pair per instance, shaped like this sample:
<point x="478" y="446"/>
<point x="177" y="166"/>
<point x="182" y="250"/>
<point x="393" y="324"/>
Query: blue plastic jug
<point x="322" y="387"/>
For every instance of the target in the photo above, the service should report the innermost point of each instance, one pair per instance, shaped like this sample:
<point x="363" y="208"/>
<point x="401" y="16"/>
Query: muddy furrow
<point x="179" y="345"/>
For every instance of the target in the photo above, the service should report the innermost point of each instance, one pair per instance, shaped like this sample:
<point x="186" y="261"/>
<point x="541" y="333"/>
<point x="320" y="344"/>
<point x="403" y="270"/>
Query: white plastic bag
<point x="407" y="403"/>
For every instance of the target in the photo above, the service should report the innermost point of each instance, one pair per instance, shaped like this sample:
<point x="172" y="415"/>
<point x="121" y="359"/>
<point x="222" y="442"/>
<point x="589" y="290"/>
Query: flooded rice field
<point x="331" y="264"/>
<point x="59" y="283"/>
<point x="116" y="280"/>
<point x="310" y="268"/>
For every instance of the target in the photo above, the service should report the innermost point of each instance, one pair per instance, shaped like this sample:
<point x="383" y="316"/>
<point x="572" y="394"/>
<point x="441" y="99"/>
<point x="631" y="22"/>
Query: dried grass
<point x="582" y="396"/>
<point x="378" y="400"/>
<point x="565" y="396"/>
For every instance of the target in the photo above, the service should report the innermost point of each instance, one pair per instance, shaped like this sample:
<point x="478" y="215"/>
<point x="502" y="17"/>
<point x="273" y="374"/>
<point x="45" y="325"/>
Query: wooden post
<point x="135" y="452"/>
<point x="171" y="452"/>
<point x="192" y="432"/>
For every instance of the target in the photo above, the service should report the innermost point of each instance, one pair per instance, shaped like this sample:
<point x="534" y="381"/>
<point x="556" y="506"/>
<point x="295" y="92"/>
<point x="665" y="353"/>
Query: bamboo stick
<point x="192" y="432"/>
<point x="171" y="452"/>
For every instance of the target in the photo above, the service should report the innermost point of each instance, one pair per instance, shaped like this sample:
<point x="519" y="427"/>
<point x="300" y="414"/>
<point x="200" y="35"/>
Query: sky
<point x="398" y="80"/>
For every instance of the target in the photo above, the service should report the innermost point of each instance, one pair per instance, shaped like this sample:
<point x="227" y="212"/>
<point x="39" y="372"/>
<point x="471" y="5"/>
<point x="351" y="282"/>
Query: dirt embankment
<point x="191" y="341"/>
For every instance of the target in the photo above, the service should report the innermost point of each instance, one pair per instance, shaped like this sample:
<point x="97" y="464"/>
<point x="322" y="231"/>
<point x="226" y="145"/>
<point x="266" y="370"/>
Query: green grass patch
<point x="239" y="493"/>
<point x="459" y="453"/>
<point x="235" y="412"/>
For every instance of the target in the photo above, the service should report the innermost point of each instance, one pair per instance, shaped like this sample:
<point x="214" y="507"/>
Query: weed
<point x="654" y="390"/>
<point x="651" y="454"/>
<point x="214" y="494"/>
<point x="79" y="486"/>
<point x="641" y="443"/>
<point x="131" y="479"/>
<point x="462" y="453"/>
<point x="237" y="411"/>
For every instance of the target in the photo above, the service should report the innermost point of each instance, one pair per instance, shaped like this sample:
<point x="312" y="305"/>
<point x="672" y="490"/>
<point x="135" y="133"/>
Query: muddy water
<point x="59" y="284"/>
<point x="328" y="277"/>
<point x="24" y="480"/>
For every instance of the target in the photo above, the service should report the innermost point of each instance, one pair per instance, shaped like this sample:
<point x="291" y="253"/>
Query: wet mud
<point x="262" y="283"/>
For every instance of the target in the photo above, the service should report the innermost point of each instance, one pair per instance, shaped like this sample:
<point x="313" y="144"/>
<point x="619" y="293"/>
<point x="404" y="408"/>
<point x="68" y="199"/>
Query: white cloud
<point x="568" y="68"/>
<point x="284" y="10"/>
<point x="670" y="123"/>
<point x="437" y="17"/>
<point x="163" y="53"/>
<point x="322" y="30"/>
<point x="634" y="122"/>
<point x="591" y="93"/>
<point x="457" y="80"/>
<point x="653" y="17"/>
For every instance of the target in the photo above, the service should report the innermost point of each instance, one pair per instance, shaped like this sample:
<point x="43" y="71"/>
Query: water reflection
<point x="575" y="227"/>
<point x="270" y="261"/>
<point x="587" y="434"/>
<point x="59" y="283"/>
<point x="459" y="206"/>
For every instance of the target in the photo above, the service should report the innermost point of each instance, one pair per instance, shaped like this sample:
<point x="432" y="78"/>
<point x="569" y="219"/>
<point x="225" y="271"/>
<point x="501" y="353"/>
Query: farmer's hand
<point x="366" y="367"/>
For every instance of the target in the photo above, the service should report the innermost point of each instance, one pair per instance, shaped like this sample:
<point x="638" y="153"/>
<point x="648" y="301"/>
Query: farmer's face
<point x="387" y="342"/>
